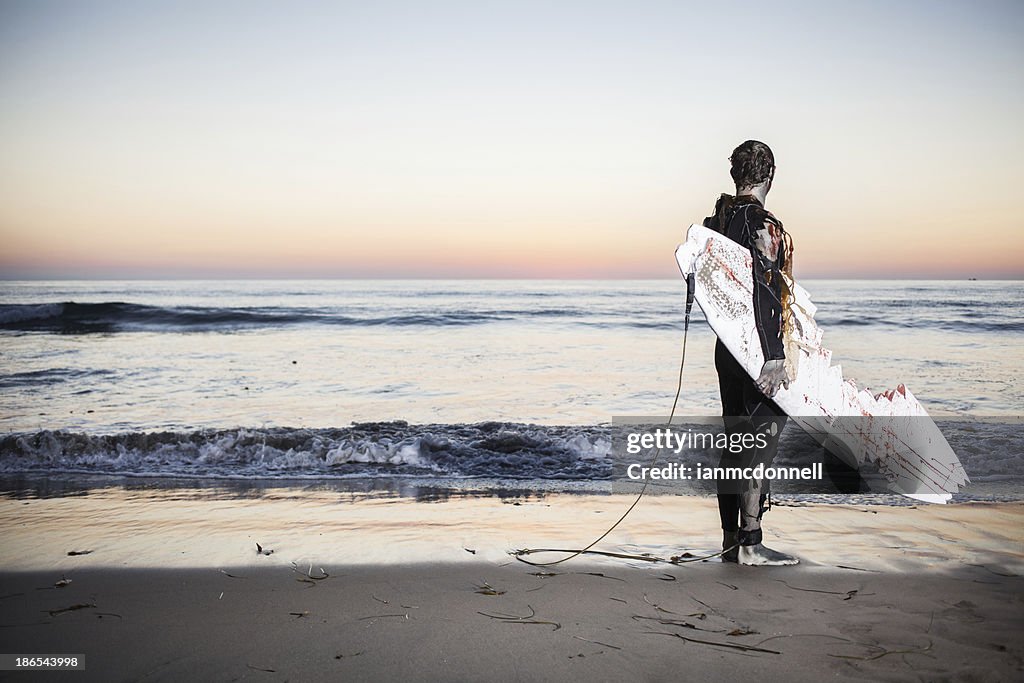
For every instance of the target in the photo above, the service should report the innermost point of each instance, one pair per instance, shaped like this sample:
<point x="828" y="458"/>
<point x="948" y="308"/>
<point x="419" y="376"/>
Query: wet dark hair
<point x="752" y="163"/>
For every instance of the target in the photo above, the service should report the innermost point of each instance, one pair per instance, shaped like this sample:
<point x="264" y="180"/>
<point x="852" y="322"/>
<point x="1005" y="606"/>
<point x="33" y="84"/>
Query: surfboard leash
<point x="573" y="553"/>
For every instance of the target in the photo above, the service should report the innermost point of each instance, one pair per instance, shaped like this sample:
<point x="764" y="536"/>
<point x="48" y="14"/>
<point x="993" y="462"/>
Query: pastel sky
<point x="515" y="139"/>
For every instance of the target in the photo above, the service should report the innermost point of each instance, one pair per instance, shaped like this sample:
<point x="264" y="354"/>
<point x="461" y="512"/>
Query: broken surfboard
<point x="891" y="429"/>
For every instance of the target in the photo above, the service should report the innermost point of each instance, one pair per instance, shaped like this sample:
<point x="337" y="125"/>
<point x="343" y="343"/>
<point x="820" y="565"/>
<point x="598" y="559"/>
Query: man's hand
<point x="773" y="376"/>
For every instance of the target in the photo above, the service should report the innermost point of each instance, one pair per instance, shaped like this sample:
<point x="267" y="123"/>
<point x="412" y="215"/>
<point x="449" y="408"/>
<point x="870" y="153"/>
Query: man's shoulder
<point x="733" y="212"/>
<point x="756" y="214"/>
<point x="718" y="217"/>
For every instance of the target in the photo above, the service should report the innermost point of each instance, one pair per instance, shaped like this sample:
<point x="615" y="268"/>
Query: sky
<point x="502" y="139"/>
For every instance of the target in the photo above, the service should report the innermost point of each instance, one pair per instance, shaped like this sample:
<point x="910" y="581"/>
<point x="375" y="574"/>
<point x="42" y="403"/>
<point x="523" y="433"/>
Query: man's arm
<point x="765" y="243"/>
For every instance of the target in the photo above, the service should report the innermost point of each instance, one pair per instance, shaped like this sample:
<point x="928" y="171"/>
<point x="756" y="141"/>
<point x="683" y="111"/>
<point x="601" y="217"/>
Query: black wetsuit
<point x="745" y="409"/>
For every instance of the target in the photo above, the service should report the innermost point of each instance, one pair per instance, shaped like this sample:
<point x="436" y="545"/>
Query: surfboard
<point x="890" y="429"/>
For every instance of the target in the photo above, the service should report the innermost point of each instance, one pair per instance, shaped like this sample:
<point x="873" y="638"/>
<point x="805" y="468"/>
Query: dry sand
<point x="174" y="589"/>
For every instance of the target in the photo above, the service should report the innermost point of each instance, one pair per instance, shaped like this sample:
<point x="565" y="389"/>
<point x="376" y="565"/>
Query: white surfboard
<point x="890" y="429"/>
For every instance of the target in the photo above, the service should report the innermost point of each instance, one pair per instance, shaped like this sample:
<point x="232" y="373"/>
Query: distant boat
<point x="972" y="279"/>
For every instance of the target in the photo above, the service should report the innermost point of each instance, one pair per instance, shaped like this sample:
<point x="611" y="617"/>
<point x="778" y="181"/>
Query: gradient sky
<point x="518" y="139"/>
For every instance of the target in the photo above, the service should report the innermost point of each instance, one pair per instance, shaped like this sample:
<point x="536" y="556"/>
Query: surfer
<point x="747" y="405"/>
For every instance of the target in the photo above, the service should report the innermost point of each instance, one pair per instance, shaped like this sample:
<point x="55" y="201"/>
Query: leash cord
<point x="518" y="554"/>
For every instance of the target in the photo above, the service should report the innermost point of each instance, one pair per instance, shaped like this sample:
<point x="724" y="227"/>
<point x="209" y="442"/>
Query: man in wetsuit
<point x="747" y="405"/>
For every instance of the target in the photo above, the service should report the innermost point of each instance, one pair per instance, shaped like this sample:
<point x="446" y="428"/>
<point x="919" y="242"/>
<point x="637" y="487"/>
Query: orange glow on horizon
<point x="152" y="143"/>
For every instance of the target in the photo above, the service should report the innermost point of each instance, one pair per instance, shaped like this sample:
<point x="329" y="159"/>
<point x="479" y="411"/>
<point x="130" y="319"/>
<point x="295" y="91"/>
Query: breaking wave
<point x="490" y="449"/>
<point x="989" y="450"/>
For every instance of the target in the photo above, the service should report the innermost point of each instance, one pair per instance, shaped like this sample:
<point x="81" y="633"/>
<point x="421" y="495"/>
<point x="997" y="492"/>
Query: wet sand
<point x="378" y="587"/>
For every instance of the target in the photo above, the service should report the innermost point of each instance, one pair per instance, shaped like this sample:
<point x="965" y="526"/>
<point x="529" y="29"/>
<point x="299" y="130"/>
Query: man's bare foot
<point x="759" y="555"/>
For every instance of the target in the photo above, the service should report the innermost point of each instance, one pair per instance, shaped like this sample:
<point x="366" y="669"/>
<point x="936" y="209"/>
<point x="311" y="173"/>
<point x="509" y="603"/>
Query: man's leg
<point x="752" y="551"/>
<point x="728" y="510"/>
<point x="730" y="377"/>
<point x="768" y="419"/>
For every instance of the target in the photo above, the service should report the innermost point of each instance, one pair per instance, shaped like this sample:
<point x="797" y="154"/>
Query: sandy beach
<point x="169" y="584"/>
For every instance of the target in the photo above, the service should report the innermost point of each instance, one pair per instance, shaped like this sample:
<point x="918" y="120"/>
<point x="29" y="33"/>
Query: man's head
<point x="753" y="164"/>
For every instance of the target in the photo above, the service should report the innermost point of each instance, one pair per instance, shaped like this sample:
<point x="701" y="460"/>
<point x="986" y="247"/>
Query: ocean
<point x="459" y="384"/>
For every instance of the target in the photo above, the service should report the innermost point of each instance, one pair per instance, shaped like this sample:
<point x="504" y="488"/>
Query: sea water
<point x="512" y="382"/>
